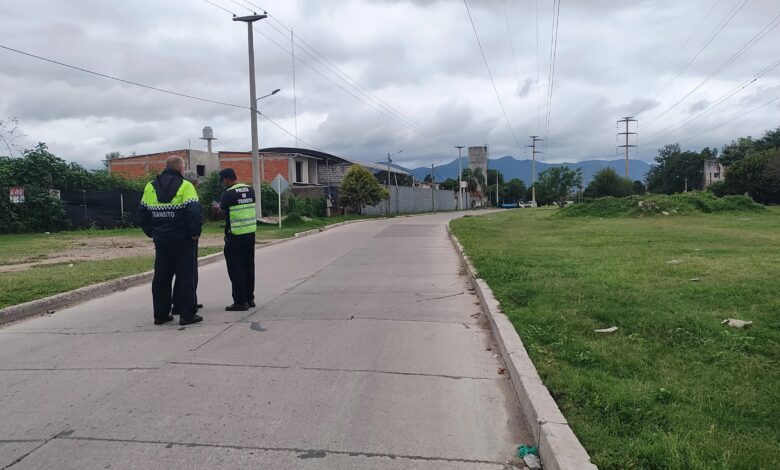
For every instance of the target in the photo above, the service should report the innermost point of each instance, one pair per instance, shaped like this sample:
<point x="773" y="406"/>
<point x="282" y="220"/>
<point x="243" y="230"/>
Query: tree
<point x="359" y="188"/>
<point x="639" y="187"/>
<point x="9" y="133"/>
<point x="555" y="184"/>
<point x="515" y="190"/>
<point x="475" y="179"/>
<point x="494" y="178"/>
<point x="450" y="185"/>
<point x="675" y="167"/>
<point x="758" y="175"/>
<point x="111" y="156"/>
<point x="606" y="182"/>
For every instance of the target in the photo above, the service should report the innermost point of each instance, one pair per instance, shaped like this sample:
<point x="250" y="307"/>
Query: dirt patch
<point x="102" y="248"/>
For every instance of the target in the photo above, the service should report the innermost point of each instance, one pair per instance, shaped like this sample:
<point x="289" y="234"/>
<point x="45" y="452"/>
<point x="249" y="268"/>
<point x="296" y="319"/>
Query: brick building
<point x="139" y="166"/>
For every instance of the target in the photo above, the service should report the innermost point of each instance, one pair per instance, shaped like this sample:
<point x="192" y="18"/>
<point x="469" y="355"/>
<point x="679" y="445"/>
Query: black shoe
<point x="158" y="321"/>
<point x="252" y="304"/>
<point x="198" y="306"/>
<point x="190" y="320"/>
<point x="237" y="307"/>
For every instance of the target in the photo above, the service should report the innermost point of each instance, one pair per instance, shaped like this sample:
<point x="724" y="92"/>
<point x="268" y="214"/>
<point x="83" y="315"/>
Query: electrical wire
<point x="661" y="134"/>
<point x="733" y="119"/>
<point x="745" y="47"/>
<point x="339" y="73"/>
<point x="148" y="87"/>
<point x="553" y="56"/>
<point x="511" y="43"/>
<point x="490" y="74"/>
<point x="719" y="28"/>
<point x="677" y="53"/>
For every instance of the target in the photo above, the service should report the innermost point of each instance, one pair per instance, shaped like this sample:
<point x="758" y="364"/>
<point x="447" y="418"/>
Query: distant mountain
<point x="521" y="169"/>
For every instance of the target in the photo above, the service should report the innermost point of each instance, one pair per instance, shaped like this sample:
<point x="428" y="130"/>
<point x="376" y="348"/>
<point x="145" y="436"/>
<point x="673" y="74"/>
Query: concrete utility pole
<point x="389" y="161"/>
<point x="626" y="120"/>
<point x="460" y="175"/>
<point x="534" y="140"/>
<point x="256" y="183"/>
<point x="433" y="194"/>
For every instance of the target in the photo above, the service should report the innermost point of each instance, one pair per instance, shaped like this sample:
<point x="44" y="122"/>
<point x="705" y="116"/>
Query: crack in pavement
<point x="328" y="369"/>
<point x="301" y="451"/>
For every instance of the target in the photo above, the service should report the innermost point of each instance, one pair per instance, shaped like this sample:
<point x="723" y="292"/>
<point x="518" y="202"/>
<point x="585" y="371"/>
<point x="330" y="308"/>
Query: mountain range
<point x="510" y="167"/>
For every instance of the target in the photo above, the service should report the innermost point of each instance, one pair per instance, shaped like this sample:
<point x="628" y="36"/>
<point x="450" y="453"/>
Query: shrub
<point x="657" y="204"/>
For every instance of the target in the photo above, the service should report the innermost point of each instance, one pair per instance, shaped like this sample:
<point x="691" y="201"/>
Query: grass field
<point x="672" y="388"/>
<point x="41" y="281"/>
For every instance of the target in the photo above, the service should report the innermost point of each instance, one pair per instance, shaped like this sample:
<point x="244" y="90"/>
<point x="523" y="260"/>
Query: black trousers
<point x="173" y="258"/>
<point x="240" y="260"/>
<point x="177" y="285"/>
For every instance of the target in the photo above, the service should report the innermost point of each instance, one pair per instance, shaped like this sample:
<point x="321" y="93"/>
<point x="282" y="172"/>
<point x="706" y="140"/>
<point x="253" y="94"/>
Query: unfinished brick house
<point x="139" y="166"/>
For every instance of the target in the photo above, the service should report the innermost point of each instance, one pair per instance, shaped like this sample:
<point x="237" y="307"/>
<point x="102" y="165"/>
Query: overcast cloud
<point x="419" y="57"/>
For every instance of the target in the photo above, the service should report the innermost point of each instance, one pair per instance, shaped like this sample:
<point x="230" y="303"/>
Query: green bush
<point x="305" y="206"/>
<point x="39" y="213"/>
<point x="658" y="204"/>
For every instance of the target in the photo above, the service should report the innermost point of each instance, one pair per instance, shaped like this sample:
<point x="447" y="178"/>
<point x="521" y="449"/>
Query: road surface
<point x="363" y="352"/>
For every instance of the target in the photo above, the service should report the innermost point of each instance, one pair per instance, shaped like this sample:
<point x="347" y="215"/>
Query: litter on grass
<point x="734" y="323"/>
<point x="674" y="261"/>
<point x="611" y="329"/>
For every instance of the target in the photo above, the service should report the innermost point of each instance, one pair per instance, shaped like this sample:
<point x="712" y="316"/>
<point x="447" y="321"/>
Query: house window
<point x="298" y="171"/>
<point x="717" y="175"/>
<point x="201" y="170"/>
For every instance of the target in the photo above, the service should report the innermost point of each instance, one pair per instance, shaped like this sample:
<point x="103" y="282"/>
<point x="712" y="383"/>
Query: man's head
<point x="228" y="177"/>
<point x="192" y="177"/>
<point x="176" y="163"/>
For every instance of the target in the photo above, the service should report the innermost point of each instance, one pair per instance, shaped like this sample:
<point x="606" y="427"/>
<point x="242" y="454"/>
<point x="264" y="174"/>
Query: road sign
<point x="279" y="184"/>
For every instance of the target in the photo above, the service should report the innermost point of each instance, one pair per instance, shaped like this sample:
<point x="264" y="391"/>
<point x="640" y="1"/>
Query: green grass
<point x="42" y="281"/>
<point x="695" y="202"/>
<point x="672" y="388"/>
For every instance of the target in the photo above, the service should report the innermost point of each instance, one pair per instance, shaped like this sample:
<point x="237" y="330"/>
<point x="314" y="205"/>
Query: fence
<point x="105" y="209"/>
<point x="404" y="199"/>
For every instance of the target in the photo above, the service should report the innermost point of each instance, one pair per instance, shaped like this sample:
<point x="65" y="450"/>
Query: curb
<point x="62" y="300"/>
<point x="559" y="448"/>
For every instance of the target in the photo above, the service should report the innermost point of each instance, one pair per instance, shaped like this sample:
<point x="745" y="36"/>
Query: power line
<point x="148" y="87"/>
<point x="553" y="56"/>
<point x="490" y="74"/>
<point x="722" y="25"/>
<point x="538" y="93"/>
<point x="661" y="134"/>
<point x="338" y="72"/>
<point x="732" y="120"/>
<point x="745" y="47"/>
<point x="677" y="53"/>
<point x="129" y="82"/>
<point x="511" y="43"/>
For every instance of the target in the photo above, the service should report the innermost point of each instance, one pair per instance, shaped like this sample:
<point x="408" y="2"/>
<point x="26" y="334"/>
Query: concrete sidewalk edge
<point x="559" y="448"/>
<point x="49" y="305"/>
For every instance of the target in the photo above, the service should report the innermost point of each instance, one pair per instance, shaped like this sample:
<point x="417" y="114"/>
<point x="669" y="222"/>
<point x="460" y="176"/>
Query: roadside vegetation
<point x="38" y="281"/>
<point x="660" y="205"/>
<point x="672" y="388"/>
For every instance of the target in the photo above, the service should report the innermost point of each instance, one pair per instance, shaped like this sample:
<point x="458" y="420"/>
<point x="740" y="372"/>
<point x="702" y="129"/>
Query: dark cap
<point x="227" y="174"/>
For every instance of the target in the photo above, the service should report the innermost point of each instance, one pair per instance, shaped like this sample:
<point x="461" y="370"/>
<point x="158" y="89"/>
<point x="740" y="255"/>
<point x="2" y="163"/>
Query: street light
<point x="460" y="175"/>
<point x="262" y="157"/>
<point x="256" y="184"/>
<point x="389" y="161"/>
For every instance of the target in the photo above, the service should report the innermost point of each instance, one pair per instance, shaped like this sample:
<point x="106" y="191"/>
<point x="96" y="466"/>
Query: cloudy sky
<point x="378" y="76"/>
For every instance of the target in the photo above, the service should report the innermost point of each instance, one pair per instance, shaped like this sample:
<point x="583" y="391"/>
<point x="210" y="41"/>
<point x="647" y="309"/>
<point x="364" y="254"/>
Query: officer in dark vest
<point x="170" y="214"/>
<point x="238" y="205"/>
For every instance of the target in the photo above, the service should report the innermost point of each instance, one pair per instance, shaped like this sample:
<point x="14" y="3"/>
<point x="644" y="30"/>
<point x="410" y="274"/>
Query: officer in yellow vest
<point x="170" y="214"/>
<point x="238" y="205"/>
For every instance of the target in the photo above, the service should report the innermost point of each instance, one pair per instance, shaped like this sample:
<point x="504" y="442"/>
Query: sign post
<point x="280" y="185"/>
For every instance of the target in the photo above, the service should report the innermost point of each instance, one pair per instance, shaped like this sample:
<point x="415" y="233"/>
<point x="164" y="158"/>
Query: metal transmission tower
<point x="534" y="140"/>
<point x="627" y="120"/>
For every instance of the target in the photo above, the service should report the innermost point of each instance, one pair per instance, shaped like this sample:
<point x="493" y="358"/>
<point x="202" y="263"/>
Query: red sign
<point x="17" y="194"/>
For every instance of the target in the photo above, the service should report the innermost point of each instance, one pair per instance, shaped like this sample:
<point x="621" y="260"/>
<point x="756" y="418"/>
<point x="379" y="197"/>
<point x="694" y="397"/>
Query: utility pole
<point x="433" y="193"/>
<point x="534" y="140"/>
<point x="460" y="175"/>
<point x="389" y="161"/>
<point x="295" y="105"/>
<point x="256" y="183"/>
<point x="626" y="120"/>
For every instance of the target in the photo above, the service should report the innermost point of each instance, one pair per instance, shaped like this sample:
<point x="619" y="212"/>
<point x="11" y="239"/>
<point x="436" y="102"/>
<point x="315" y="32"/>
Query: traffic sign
<point x="279" y="184"/>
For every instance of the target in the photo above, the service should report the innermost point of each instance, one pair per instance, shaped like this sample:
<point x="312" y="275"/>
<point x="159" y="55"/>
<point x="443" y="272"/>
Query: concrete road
<point x="363" y="353"/>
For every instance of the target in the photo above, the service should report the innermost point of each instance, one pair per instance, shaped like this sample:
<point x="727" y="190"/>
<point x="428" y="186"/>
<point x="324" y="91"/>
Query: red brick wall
<point x="241" y="162"/>
<point x="138" y="166"/>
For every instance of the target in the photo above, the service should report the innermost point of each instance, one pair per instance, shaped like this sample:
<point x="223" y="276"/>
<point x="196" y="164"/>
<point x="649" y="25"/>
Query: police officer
<point x="170" y="214"/>
<point x="192" y="177"/>
<point x="238" y="205"/>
